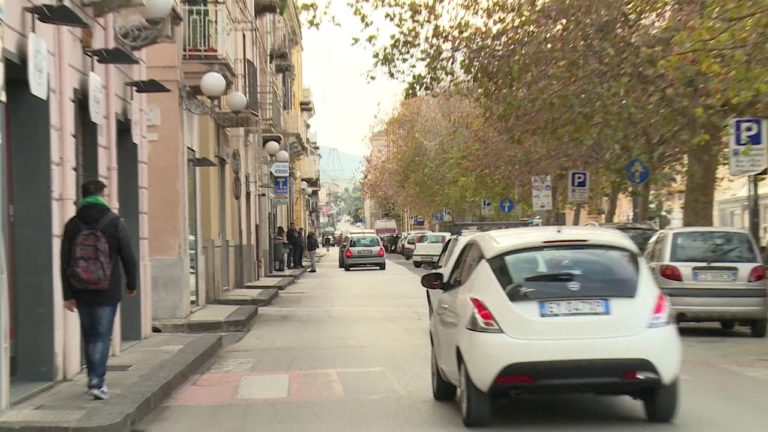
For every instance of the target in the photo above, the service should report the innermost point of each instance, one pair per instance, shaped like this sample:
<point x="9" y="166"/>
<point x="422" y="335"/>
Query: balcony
<point x="247" y="82"/>
<point x="209" y="35"/>
<point x="271" y="111"/>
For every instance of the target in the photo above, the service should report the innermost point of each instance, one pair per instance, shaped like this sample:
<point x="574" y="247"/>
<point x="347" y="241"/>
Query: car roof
<point x="629" y="226"/>
<point x="494" y="243"/>
<point x="707" y="229"/>
<point x="362" y="232"/>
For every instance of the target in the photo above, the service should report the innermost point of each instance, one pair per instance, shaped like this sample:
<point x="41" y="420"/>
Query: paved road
<point x="349" y="351"/>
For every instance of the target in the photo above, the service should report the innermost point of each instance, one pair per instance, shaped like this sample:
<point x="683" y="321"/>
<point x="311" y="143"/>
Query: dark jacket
<point x="293" y="238"/>
<point x="120" y="249"/>
<point x="312" y="243"/>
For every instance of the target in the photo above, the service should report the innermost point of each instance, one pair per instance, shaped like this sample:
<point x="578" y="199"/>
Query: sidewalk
<point x="210" y="318"/>
<point x="139" y="380"/>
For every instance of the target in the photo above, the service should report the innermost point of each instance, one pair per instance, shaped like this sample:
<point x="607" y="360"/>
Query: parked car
<point x="428" y="248"/>
<point x="364" y="249"/>
<point x="448" y="257"/>
<point x="639" y="233"/>
<point x="711" y="274"/>
<point x="410" y="245"/>
<point x="552" y="310"/>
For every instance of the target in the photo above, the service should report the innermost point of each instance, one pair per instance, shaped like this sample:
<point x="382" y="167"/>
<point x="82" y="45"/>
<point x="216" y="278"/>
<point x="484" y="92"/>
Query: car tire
<point x="407" y="257"/>
<point x="758" y="328"/>
<point x="347" y="268"/>
<point x="475" y="405"/>
<point x="661" y="403"/>
<point x="442" y="390"/>
<point x="383" y="267"/>
<point x="417" y="264"/>
<point x="728" y="325"/>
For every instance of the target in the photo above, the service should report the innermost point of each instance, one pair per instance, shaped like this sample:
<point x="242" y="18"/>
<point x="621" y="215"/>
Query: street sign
<point x="637" y="172"/>
<point x="437" y="217"/>
<point x="578" y="187"/>
<point x="280" y="169"/>
<point x="281" y="188"/>
<point x="420" y="220"/>
<point x="506" y="205"/>
<point x="748" y="146"/>
<point x="542" y="193"/>
<point x="486" y="207"/>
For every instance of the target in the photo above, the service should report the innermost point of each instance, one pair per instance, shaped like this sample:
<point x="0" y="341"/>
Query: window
<point x="466" y="263"/>
<point x="446" y="253"/>
<point x="713" y="246"/>
<point x="567" y="271"/>
<point x="366" y="241"/>
<point x="433" y="239"/>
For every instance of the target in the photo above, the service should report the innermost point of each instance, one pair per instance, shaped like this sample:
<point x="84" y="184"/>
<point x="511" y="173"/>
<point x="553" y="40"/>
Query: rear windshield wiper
<point x="712" y="256"/>
<point x="551" y="277"/>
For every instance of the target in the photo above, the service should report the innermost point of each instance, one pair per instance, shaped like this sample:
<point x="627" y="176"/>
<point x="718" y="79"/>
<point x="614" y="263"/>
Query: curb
<point x="237" y="321"/>
<point x="271" y="283"/>
<point x="148" y="394"/>
<point x="265" y="298"/>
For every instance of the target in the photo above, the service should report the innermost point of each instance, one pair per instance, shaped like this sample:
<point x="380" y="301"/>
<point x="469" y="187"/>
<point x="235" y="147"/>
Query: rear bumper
<point x="371" y="261"/>
<point x="425" y="258"/>
<point x="487" y="355"/>
<point x="601" y="376"/>
<point x="688" y="308"/>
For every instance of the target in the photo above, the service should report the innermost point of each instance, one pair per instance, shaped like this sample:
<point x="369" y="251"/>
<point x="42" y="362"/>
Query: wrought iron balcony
<point x="271" y="110"/>
<point x="247" y="82"/>
<point x="208" y="34"/>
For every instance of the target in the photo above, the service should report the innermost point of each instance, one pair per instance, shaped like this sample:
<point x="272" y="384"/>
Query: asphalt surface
<point x="349" y="351"/>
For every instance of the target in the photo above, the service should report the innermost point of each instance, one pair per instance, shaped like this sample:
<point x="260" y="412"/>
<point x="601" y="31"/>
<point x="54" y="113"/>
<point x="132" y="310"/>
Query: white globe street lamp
<point x="213" y="84"/>
<point x="308" y="192"/>
<point x="272" y="147"/>
<point x="304" y="185"/>
<point x="282" y="156"/>
<point x="236" y="101"/>
<point x="156" y="9"/>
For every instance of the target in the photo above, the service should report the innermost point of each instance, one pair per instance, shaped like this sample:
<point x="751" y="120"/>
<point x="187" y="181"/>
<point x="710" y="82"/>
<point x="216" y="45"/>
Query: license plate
<point x="430" y="259"/>
<point x="364" y="252"/>
<point x="714" y="276"/>
<point x="574" y="307"/>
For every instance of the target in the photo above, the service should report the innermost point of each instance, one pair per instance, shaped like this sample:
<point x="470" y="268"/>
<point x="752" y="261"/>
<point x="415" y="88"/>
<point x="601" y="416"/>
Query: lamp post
<point x="272" y="148"/>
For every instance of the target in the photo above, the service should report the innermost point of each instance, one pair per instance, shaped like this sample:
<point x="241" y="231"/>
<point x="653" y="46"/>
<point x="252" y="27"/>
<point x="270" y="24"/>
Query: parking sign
<point x="748" y="154"/>
<point x="578" y="187"/>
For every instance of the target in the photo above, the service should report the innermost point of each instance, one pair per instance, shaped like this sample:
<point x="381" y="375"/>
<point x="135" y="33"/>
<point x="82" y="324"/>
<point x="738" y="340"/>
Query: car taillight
<point x="757" y="274"/>
<point x="482" y="319"/>
<point x="348" y="253"/>
<point x="661" y="312"/>
<point x="381" y="252"/>
<point x="671" y="272"/>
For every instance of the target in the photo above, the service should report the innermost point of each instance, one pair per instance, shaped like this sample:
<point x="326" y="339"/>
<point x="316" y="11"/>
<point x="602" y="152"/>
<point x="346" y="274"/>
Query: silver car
<point x="711" y="274"/>
<point x="364" y="250"/>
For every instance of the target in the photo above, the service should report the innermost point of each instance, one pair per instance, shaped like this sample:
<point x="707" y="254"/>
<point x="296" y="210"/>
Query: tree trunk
<point x="613" y="199"/>
<point x="645" y="201"/>
<point x="700" y="182"/>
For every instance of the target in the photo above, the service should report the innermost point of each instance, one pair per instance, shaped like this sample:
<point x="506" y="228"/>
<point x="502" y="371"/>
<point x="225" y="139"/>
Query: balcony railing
<point x="247" y="82"/>
<point x="295" y="124"/>
<point x="208" y="33"/>
<point x="271" y="108"/>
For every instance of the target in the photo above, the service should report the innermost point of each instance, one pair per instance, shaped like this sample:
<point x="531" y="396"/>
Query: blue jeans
<point x="96" y="327"/>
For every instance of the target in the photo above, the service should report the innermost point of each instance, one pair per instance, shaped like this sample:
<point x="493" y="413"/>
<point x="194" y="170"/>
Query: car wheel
<point x="661" y="403"/>
<point x="407" y="257"/>
<point x="347" y="268"/>
<point x="442" y="390"/>
<point x="758" y="328"/>
<point x="383" y="267"/>
<point x="728" y="325"/>
<point x="475" y="405"/>
<point x="417" y="264"/>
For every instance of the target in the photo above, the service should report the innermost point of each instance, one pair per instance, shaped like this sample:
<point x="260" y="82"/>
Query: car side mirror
<point x="432" y="281"/>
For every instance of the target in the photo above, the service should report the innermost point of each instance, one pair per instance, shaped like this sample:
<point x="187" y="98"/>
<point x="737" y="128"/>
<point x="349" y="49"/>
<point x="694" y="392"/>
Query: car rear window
<point x="364" y="241"/>
<point x="639" y="236"/>
<point x="713" y="246"/>
<point x="574" y="271"/>
<point x="433" y="239"/>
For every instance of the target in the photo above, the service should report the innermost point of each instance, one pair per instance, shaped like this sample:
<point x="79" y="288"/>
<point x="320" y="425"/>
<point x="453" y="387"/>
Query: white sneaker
<point x="100" y="394"/>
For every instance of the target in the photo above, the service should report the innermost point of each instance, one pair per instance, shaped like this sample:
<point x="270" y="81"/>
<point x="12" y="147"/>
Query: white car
<point x="552" y="310"/>
<point x="451" y="250"/>
<point x="428" y="248"/>
<point x="410" y="244"/>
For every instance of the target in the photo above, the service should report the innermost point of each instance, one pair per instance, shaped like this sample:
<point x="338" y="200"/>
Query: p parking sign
<point x="578" y="187"/>
<point x="748" y="147"/>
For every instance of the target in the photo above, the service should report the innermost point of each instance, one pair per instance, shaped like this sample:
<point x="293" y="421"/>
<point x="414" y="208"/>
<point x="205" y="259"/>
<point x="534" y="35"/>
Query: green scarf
<point x="94" y="200"/>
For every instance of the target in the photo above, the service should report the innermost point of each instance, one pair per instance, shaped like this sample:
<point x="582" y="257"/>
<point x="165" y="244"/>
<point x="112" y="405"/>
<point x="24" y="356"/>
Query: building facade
<point x="72" y="97"/>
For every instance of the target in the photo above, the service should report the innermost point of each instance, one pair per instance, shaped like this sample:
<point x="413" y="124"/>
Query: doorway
<point x="193" y="244"/>
<point x="28" y="220"/>
<point x="128" y="195"/>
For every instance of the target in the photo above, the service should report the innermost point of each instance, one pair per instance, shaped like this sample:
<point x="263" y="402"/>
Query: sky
<point x="346" y="104"/>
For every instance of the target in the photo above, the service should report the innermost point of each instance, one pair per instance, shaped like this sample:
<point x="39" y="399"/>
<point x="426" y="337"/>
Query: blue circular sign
<point x="637" y="172"/>
<point x="506" y="205"/>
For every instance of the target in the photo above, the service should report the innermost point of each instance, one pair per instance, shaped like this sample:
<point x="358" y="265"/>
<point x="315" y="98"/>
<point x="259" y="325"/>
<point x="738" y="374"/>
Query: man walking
<point x="94" y="244"/>
<point x="293" y="245"/>
<point x="312" y="247"/>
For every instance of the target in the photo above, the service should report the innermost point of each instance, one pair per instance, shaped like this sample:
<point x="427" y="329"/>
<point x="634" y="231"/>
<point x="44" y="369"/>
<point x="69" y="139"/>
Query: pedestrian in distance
<point x="293" y="242"/>
<point x="301" y="247"/>
<point x="327" y="243"/>
<point x="279" y="242"/>
<point x="312" y="247"/>
<point x="94" y="246"/>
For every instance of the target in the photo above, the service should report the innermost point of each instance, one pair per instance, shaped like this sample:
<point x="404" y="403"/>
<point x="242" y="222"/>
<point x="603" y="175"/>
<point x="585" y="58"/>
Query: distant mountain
<point x="336" y="165"/>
